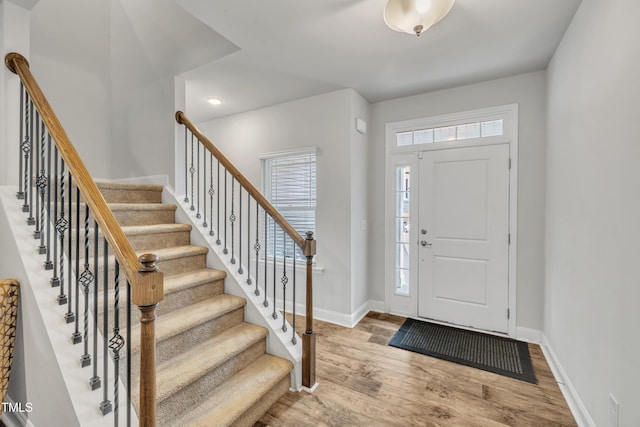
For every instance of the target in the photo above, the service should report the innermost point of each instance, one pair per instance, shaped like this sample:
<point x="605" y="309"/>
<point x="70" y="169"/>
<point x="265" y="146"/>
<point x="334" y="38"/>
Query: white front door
<point x="463" y="232"/>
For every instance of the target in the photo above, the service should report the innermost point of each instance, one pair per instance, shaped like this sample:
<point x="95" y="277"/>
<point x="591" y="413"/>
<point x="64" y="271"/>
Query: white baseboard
<point x="579" y="411"/>
<point x="152" y="179"/>
<point x="345" y="319"/>
<point x="529" y="335"/>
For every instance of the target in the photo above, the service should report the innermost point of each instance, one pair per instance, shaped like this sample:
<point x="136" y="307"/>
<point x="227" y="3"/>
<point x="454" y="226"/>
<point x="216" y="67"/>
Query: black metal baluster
<point x="226" y="195"/>
<point x="275" y="245"/>
<point x="70" y="315"/>
<point x="94" y="382"/>
<point x="86" y="279"/>
<point x="284" y="280"/>
<point x="232" y="220"/>
<point x="293" y="305"/>
<point x="77" y="336"/>
<point x="116" y="343"/>
<point x="20" y="193"/>
<point x="192" y="171"/>
<point x="186" y="176"/>
<point x="62" y="225"/>
<point x="26" y="148"/>
<point x="266" y="252"/>
<point x="204" y="188"/>
<point x="42" y="185"/>
<point x="48" y="265"/>
<point x="218" y="242"/>
<point x="198" y="180"/>
<point x="36" y="158"/>
<point x="128" y="340"/>
<point x="240" y="231"/>
<point x="55" y="280"/>
<point x="249" y="238"/>
<point x="31" y="220"/>
<point x="212" y="193"/>
<point x="105" y="406"/>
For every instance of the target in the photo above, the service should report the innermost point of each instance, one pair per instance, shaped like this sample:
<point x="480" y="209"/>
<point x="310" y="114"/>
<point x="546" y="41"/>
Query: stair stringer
<point x="278" y="342"/>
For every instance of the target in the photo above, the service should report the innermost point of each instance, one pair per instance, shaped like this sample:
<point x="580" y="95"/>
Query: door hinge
<point x="509" y="163"/>
<point x="508" y="313"/>
<point x="509" y="239"/>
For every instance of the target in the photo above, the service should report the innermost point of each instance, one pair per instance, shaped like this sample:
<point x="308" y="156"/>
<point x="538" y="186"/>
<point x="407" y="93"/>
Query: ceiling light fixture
<point x="415" y="16"/>
<point x="214" y="101"/>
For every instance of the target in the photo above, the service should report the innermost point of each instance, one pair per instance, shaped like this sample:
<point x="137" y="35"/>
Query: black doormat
<point x="500" y="355"/>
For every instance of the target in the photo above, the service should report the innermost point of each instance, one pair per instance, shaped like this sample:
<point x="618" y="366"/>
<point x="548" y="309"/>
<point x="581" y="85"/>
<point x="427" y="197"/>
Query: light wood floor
<point x="365" y="382"/>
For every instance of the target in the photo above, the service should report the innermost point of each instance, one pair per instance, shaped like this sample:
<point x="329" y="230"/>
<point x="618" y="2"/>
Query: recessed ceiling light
<point x="214" y="101"/>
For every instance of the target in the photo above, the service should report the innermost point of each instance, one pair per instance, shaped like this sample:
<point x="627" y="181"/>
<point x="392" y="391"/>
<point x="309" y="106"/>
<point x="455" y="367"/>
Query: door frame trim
<point x="509" y="114"/>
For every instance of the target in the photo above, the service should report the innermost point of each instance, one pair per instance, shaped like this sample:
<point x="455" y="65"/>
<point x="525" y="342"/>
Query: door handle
<point x="424" y="243"/>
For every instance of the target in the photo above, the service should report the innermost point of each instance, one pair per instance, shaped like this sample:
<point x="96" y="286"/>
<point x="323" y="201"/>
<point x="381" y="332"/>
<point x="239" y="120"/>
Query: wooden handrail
<point x="146" y="282"/>
<point x="107" y="222"/>
<point x="300" y="241"/>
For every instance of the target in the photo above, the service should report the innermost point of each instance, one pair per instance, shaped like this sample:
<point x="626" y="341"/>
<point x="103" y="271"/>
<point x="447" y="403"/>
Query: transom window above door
<point x="480" y="129"/>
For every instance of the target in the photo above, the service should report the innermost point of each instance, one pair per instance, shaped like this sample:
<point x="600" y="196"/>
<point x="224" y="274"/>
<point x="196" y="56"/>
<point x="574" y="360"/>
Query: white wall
<point x="593" y="206"/>
<point x="528" y="90"/>
<point x="14" y="37"/>
<point x="326" y="122"/>
<point x="359" y="213"/>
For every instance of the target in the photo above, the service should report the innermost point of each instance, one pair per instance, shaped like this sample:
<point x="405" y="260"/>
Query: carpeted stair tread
<point x="174" y="252"/>
<point x="135" y="230"/>
<point x="189" y="279"/>
<point x="240" y="393"/>
<point x="178" y="372"/>
<point x="186" y="318"/>
<point x="119" y="192"/>
<point x="142" y="207"/>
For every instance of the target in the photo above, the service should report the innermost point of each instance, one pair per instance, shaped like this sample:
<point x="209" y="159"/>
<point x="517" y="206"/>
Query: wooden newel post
<point x="309" y="337"/>
<point x="146" y="296"/>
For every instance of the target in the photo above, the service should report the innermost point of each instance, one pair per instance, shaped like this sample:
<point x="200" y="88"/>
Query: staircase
<point x="212" y="367"/>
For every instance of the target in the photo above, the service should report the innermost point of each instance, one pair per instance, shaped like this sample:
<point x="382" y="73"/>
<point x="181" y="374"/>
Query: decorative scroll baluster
<point x="25" y="146"/>
<point x="186" y="179"/>
<point x="70" y="315"/>
<point x="61" y="226"/>
<point x="105" y="405"/>
<point x="256" y="248"/>
<point x="31" y="220"/>
<point x="266" y="252"/>
<point x="94" y="382"/>
<point x="240" y="231"/>
<point x="198" y="180"/>
<point x="116" y="343"/>
<point x="284" y="280"/>
<point x="232" y="219"/>
<point x="48" y="265"/>
<point x="294" y="340"/>
<point x="42" y="186"/>
<point x="212" y="193"/>
<point x="249" y="239"/>
<point x="192" y="171"/>
<point x="55" y="280"/>
<point x="275" y="245"/>
<point x="36" y="158"/>
<point x="204" y="189"/>
<point x="226" y="195"/>
<point x="86" y="279"/>
<point x="218" y="242"/>
<point x="20" y="193"/>
<point x="42" y="182"/>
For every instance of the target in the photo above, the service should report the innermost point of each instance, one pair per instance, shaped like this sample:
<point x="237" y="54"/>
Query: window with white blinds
<point x="290" y="186"/>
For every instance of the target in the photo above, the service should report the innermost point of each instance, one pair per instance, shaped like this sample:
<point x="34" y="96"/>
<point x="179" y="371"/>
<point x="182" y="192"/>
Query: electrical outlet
<point x="614" y="409"/>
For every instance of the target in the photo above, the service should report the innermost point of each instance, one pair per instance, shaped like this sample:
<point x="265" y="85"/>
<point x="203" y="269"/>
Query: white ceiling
<point x="289" y="49"/>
